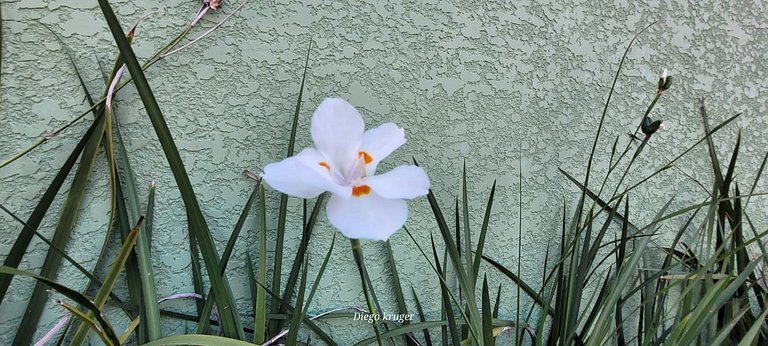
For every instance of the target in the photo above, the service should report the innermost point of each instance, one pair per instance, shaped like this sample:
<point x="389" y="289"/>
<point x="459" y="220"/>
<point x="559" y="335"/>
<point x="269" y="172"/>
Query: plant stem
<point x="357" y="252"/>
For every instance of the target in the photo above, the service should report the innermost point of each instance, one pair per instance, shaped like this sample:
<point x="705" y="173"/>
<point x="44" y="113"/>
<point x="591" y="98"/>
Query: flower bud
<point x="665" y="81"/>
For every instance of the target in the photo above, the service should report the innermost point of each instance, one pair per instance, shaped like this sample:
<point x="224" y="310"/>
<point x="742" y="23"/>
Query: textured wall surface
<point x="494" y="82"/>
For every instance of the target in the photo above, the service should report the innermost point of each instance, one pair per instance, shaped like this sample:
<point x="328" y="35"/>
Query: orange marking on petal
<point x="366" y="157"/>
<point x="360" y="190"/>
<point x="326" y="165"/>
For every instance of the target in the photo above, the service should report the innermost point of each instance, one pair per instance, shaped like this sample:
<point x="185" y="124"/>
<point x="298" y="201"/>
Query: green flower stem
<point x="357" y="252"/>
<point x="626" y="150"/>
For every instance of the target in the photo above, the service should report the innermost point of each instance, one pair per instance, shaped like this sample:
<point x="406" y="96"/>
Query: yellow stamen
<point x="326" y="165"/>
<point x="366" y="157"/>
<point x="360" y="190"/>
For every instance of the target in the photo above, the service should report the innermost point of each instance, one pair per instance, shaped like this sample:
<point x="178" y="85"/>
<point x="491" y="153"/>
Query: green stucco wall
<point x="492" y="82"/>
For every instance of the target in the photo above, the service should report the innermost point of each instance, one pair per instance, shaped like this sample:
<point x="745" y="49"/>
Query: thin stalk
<point x="357" y="252"/>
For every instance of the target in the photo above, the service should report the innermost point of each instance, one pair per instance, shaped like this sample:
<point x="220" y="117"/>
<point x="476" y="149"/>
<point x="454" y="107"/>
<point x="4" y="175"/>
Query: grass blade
<point x="260" y="313"/>
<point x="398" y="289"/>
<point x="21" y="244"/>
<point x="110" y="280"/>
<point x="283" y="212"/>
<point x="61" y="236"/>
<point x="309" y="227"/>
<point x="229" y="319"/>
<point x="205" y="315"/>
<point x="149" y="328"/>
<point x="320" y="274"/>
<point x="198" y="340"/>
<point x="298" y="311"/>
<point x="754" y="331"/>
<point x="453" y="254"/>
<point x="487" y="315"/>
<point x="483" y="231"/>
<point x="447" y="306"/>
<point x="88" y="323"/>
<point x="69" y="293"/>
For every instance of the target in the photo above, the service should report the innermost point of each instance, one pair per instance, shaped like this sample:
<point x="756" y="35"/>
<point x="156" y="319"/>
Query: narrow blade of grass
<point x="447" y="306"/>
<point x="319" y="275"/>
<point x="88" y="323"/>
<point x="228" y="310"/>
<point x="205" y="315"/>
<point x="150" y="328"/>
<point x="522" y="284"/>
<point x="110" y="280"/>
<point x="260" y="317"/>
<point x="754" y="331"/>
<point x="420" y="311"/>
<point x="61" y="236"/>
<point x="483" y="231"/>
<point x="398" y="289"/>
<point x="298" y="311"/>
<point x="487" y="315"/>
<point x="21" y="244"/>
<point x="69" y="293"/>
<point x="453" y="254"/>
<point x="309" y="227"/>
<point x="467" y="234"/>
<point x="198" y="340"/>
<point x="283" y="211"/>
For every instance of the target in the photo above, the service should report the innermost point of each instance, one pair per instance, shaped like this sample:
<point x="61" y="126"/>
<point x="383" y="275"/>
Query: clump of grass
<point x="708" y="292"/>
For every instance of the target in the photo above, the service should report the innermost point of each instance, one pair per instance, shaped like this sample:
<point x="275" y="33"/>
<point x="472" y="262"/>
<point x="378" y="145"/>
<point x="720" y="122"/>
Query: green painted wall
<point x="492" y="82"/>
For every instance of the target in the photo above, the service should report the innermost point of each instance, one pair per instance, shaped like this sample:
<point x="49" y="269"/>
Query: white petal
<point x="380" y="142"/>
<point x="302" y="176"/>
<point x="367" y="217"/>
<point x="337" y="129"/>
<point x="401" y="182"/>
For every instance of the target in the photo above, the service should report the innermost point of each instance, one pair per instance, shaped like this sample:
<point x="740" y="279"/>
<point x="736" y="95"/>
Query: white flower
<point x="664" y="75"/>
<point x="343" y="161"/>
<point x="662" y="127"/>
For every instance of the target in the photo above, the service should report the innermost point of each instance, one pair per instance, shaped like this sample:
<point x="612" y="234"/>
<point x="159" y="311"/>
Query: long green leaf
<point x="54" y="248"/>
<point x="227" y="308"/>
<point x="415" y="327"/>
<point x="61" y="236"/>
<point x="21" y="244"/>
<point x="754" y="331"/>
<point x="110" y="280"/>
<point x="69" y="293"/>
<point x="309" y="228"/>
<point x="420" y="310"/>
<point x="447" y="306"/>
<point x="283" y="213"/>
<point x="150" y="328"/>
<point x="260" y="313"/>
<point x="453" y="254"/>
<point x="487" y="315"/>
<point x="483" y="232"/>
<point x="467" y="233"/>
<point x="88" y="322"/>
<point x="319" y="275"/>
<point x="522" y="284"/>
<point x="205" y="315"/>
<point x="197" y="340"/>
<point x="298" y="311"/>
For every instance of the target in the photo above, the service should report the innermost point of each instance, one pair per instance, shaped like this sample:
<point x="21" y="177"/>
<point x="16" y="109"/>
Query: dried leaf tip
<point x="250" y="175"/>
<point x="214" y="4"/>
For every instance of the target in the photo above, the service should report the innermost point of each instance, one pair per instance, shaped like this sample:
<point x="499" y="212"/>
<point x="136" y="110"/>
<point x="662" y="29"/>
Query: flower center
<point x="354" y="174"/>
<point x="360" y="190"/>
